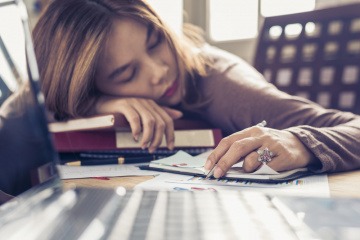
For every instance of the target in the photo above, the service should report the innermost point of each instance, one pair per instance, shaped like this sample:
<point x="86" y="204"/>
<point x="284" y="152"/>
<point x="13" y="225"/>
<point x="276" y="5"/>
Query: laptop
<point x="43" y="209"/>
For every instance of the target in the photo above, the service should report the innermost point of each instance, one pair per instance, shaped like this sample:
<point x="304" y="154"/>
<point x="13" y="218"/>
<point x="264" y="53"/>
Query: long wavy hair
<point x="69" y="39"/>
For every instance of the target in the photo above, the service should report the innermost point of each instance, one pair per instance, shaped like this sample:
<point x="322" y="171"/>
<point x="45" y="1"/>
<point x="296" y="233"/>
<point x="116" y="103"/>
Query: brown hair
<point x="69" y="39"/>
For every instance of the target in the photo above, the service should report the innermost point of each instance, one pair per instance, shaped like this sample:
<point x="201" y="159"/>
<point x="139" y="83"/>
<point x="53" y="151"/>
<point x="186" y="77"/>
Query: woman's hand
<point x="143" y="115"/>
<point x="289" y="152"/>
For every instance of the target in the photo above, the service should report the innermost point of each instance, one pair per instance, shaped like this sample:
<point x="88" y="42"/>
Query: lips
<point x="171" y="90"/>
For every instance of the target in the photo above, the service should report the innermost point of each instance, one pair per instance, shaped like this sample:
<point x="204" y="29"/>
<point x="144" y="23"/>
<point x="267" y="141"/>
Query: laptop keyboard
<point x="90" y="204"/>
<point x="120" y="214"/>
<point x="201" y="215"/>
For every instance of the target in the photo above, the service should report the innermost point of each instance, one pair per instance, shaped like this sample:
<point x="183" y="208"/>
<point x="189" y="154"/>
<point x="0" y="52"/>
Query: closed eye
<point x="132" y="75"/>
<point x="155" y="39"/>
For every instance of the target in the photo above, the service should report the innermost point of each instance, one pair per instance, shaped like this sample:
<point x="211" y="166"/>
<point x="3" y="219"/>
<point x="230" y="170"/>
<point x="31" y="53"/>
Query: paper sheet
<point x="69" y="172"/>
<point x="72" y="172"/>
<point x="185" y="160"/>
<point x="316" y="186"/>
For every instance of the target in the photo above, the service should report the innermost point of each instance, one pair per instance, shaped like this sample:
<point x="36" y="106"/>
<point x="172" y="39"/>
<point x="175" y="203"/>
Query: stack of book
<point x="106" y="137"/>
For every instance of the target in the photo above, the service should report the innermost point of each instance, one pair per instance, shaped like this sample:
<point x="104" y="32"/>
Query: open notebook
<point x="184" y="163"/>
<point x="45" y="210"/>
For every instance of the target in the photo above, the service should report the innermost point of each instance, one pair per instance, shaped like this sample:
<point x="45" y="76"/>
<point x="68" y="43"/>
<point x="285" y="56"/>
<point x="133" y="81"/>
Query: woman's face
<point x="137" y="62"/>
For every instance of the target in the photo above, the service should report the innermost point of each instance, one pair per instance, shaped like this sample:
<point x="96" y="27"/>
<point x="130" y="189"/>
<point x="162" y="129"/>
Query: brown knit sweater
<point x="240" y="97"/>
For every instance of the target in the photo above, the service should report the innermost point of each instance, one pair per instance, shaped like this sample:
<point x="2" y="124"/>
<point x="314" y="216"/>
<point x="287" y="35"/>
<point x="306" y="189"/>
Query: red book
<point x="112" y="132"/>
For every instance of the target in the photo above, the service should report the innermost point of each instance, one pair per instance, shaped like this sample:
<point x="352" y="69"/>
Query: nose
<point x="157" y="71"/>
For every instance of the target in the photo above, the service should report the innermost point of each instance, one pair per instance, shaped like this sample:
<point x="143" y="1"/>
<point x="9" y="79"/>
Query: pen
<point x="211" y="172"/>
<point x="105" y="161"/>
<point x="69" y="157"/>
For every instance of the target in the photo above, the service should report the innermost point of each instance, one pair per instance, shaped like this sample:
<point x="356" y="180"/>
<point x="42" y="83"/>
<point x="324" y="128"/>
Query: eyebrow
<point x="118" y="71"/>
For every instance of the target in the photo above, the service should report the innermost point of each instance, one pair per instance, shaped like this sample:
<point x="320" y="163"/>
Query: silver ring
<point x="265" y="155"/>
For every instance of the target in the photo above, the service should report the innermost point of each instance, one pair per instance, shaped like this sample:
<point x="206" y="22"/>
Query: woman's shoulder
<point x="225" y="65"/>
<point x="219" y="59"/>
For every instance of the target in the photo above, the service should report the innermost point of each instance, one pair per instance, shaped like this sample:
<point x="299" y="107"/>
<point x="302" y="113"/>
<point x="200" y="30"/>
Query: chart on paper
<point x="316" y="185"/>
<point x="313" y="185"/>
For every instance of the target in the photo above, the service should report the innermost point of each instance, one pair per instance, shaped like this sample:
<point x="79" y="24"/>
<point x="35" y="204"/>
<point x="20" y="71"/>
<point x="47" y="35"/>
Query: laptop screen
<point x="26" y="152"/>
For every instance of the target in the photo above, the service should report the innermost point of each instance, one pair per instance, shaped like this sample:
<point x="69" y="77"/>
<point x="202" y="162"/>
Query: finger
<point x="148" y="123"/>
<point x="159" y="128"/>
<point x="106" y="104"/>
<point x="226" y="142"/>
<point x="237" y="150"/>
<point x="217" y="153"/>
<point x="280" y="161"/>
<point x="158" y="134"/>
<point x="134" y="120"/>
<point x="173" y="113"/>
<point x="251" y="162"/>
<point x="169" y="130"/>
<point x="131" y="115"/>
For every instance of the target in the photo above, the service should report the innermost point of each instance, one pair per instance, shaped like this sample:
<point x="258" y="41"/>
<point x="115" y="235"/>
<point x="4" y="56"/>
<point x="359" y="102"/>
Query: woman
<point x="118" y="56"/>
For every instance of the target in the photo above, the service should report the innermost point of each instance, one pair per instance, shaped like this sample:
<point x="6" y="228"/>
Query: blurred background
<point x="229" y="24"/>
<point x="314" y="67"/>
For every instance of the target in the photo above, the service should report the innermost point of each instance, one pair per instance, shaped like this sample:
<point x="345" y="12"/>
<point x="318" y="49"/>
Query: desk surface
<point x="341" y="184"/>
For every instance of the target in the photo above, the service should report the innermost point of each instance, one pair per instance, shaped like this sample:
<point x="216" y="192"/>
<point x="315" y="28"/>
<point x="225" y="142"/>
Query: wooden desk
<point x="345" y="184"/>
<point x="341" y="184"/>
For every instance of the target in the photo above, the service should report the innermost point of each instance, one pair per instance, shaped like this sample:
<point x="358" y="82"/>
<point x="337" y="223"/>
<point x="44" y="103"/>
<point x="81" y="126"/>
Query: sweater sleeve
<point x="337" y="147"/>
<point x="240" y="97"/>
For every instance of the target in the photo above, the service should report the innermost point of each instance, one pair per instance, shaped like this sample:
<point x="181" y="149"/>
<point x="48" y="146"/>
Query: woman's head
<point x="137" y="61"/>
<point x="77" y="51"/>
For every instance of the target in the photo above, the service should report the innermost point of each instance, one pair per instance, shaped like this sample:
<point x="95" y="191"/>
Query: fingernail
<point x="207" y="165"/>
<point x="136" y="137"/>
<point x="180" y="114"/>
<point x="171" y="146"/>
<point x="218" y="172"/>
<point x="152" y="149"/>
<point x="210" y="160"/>
<point x="144" y="146"/>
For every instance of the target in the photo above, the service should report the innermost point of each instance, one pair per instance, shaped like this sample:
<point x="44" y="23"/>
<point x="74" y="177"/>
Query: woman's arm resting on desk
<point x="331" y="144"/>
<point x="332" y="136"/>
<point x="289" y="152"/>
<point x="143" y="115"/>
<point x="336" y="145"/>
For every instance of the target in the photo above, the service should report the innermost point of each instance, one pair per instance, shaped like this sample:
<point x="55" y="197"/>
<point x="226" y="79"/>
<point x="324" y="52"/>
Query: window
<point x="232" y="19"/>
<point x="282" y="7"/>
<point x="238" y="19"/>
<point x="13" y="40"/>
<point x="170" y="11"/>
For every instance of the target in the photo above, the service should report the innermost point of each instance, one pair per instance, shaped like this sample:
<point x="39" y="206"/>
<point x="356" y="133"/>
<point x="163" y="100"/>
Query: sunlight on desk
<point x="345" y="184"/>
<point x="341" y="184"/>
<point x="126" y="182"/>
